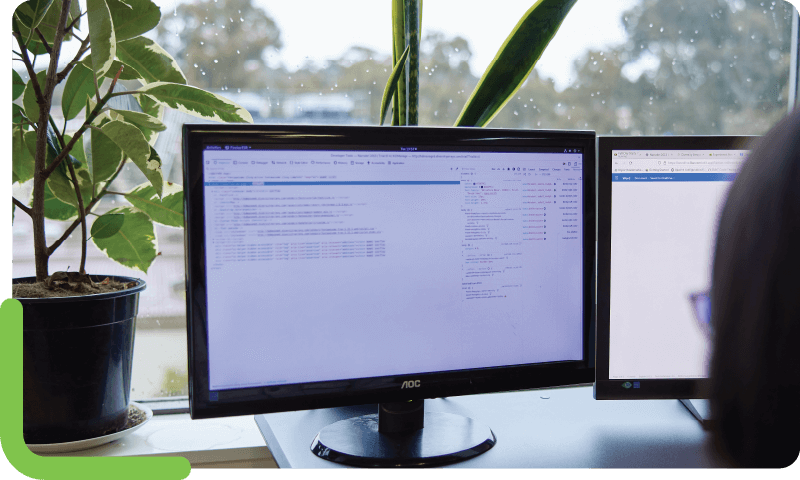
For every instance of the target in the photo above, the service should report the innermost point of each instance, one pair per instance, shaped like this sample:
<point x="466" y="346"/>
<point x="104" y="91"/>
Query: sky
<point x="590" y="24"/>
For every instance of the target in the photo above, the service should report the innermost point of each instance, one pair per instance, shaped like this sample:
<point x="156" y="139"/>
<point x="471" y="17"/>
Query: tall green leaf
<point x="391" y="85"/>
<point x="79" y="86"/>
<point x="133" y="144"/>
<point x="29" y="102"/>
<point x="398" y="46"/>
<point x="133" y="17"/>
<point x="197" y="102"/>
<point x="17" y="85"/>
<point x="514" y="61"/>
<point x="134" y="244"/>
<point x="167" y="211"/>
<point x="152" y="62"/>
<point x="104" y="40"/>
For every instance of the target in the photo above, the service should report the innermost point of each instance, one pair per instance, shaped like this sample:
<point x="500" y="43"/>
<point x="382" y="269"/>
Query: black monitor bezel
<point x="379" y="389"/>
<point x="605" y="388"/>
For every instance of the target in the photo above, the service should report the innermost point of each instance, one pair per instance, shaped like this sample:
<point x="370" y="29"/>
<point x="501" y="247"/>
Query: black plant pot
<point x="77" y="357"/>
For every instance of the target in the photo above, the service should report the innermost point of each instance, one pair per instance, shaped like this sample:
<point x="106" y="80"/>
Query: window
<point x="649" y="67"/>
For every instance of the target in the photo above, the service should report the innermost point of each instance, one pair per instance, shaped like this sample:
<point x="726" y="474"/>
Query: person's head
<point x="755" y="367"/>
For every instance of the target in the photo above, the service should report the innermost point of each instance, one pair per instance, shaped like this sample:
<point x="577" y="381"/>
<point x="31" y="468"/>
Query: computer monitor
<point x="339" y="266"/>
<point x="659" y="203"/>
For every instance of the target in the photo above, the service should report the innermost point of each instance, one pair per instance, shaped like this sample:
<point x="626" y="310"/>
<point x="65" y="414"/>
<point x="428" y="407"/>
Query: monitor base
<point x="700" y="411"/>
<point x="446" y="438"/>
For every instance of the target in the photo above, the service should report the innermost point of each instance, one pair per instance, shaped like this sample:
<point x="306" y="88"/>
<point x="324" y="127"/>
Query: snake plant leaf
<point x="167" y="210"/>
<point x="134" y="244"/>
<point x="391" y="85"/>
<point x="79" y="86"/>
<point x="133" y="17"/>
<point x="104" y="40"/>
<point x="152" y="62"/>
<point x="514" y="61"/>
<point x="17" y="85"/>
<point x="107" y="225"/>
<point x="196" y="102"/>
<point x="29" y="97"/>
<point x="398" y="45"/>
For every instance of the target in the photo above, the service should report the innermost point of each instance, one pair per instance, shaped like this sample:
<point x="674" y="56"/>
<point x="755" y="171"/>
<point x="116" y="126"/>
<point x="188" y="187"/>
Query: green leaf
<point x="197" y="102"/>
<point x="22" y="163"/>
<point x="134" y="145"/>
<point x="55" y="209"/>
<point x="133" y="17"/>
<point x="80" y="84"/>
<point x="17" y="85"/>
<point x="107" y="225"/>
<point x="128" y="73"/>
<point x="75" y="12"/>
<point x="29" y="97"/>
<point x="398" y="45"/>
<point x="139" y="119"/>
<point x="391" y="85"/>
<point x="101" y="30"/>
<point x="30" y="14"/>
<point x="167" y="211"/>
<point x="152" y="62"/>
<point x="60" y="181"/>
<point x="17" y="114"/>
<point x="156" y="110"/>
<point x="104" y="157"/>
<point x="49" y="22"/>
<point x="134" y="245"/>
<point x="514" y="61"/>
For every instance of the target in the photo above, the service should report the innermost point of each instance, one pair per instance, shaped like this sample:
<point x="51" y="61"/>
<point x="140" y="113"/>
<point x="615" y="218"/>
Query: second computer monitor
<point x="659" y="203"/>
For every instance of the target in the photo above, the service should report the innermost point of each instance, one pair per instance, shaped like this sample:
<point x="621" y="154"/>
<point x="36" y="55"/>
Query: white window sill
<point x="220" y="442"/>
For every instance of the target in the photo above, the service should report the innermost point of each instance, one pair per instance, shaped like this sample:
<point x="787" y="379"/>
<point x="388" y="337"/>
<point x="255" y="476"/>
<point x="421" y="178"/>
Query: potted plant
<point x="503" y="77"/>
<point x="78" y="349"/>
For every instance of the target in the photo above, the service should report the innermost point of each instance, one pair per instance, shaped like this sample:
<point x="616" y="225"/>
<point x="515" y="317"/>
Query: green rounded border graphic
<point x="35" y="466"/>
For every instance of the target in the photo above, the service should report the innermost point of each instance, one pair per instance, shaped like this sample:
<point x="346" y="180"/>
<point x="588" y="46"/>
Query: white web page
<point x="323" y="271"/>
<point x="665" y="211"/>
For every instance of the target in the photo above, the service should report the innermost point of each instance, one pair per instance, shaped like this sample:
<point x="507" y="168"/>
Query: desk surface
<point x="553" y="428"/>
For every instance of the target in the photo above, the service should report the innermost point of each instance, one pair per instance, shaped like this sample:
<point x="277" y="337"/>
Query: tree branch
<point x="47" y="47"/>
<point x="27" y="61"/>
<point x="81" y="214"/>
<point x="22" y="206"/>
<point x="81" y="51"/>
<point x="88" y="211"/>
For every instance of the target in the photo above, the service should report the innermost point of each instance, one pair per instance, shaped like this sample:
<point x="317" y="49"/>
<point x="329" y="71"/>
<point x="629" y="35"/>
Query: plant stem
<point x="88" y="209"/>
<point x="81" y="213"/>
<point x="22" y="206"/>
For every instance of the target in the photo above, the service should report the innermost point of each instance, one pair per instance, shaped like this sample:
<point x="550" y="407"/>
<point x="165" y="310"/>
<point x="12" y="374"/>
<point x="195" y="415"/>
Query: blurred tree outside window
<point x="686" y="67"/>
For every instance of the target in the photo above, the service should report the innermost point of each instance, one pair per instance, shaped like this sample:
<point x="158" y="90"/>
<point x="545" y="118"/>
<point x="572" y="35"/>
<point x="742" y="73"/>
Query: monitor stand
<point x="700" y="410"/>
<point x="395" y="437"/>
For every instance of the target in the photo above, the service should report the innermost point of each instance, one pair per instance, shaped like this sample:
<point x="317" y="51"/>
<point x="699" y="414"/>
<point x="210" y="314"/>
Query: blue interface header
<point x="673" y="177"/>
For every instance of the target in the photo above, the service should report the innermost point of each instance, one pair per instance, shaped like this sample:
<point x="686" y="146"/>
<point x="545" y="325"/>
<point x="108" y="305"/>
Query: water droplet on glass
<point x="216" y="61"/>
<point x="195" y="66"/>
<point x="538" y="124"/>
<point x="456" y="49"/>
<point x="202" y="43"/>
<point x="238" y="52"/>
<point x="662" y="29"/>
<point x="451" y="100"/>
<point x="436" y="113"/>
<point x="516" y="112"/>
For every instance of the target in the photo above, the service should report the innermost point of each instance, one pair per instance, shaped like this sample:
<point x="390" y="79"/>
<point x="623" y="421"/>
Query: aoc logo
<point x="410" y="384"/>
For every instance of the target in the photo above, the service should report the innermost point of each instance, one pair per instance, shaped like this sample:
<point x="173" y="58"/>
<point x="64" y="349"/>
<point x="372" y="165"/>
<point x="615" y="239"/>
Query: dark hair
<point x="755" y="367"/>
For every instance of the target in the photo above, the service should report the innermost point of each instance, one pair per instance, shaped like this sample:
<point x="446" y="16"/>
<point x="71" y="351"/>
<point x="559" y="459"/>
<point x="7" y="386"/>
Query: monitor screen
<point x="332" y="266"/>
<point x="660" y="201"/>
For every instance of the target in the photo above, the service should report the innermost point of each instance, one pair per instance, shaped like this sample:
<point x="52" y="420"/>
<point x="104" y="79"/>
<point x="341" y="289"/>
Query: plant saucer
<point x="74" y="446"/>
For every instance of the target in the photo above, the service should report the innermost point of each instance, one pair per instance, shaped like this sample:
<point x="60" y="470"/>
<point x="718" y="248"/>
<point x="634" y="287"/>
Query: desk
<point x="568" y="429"/>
